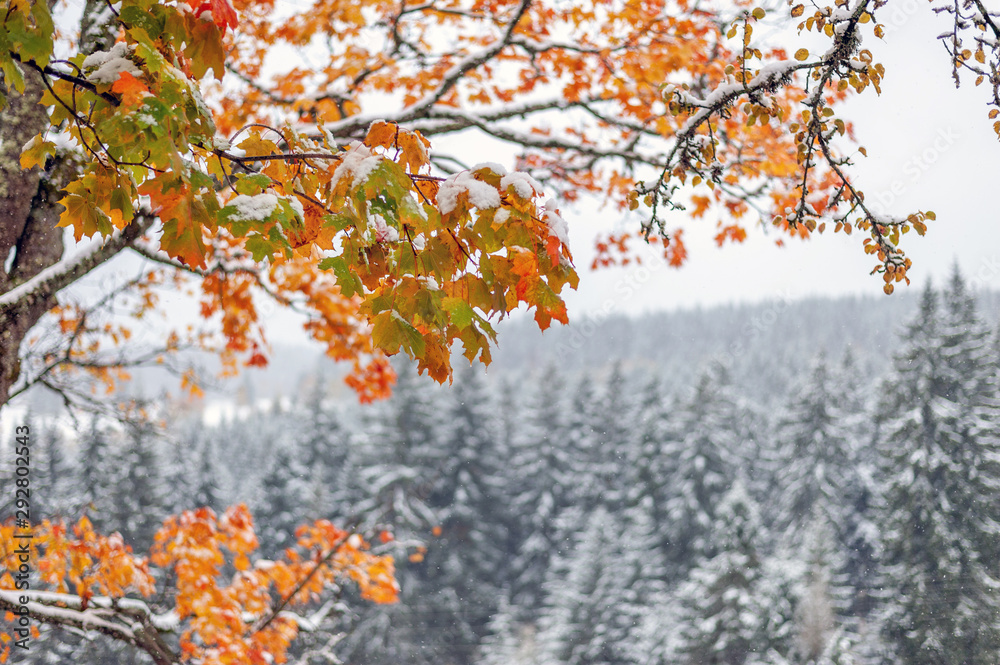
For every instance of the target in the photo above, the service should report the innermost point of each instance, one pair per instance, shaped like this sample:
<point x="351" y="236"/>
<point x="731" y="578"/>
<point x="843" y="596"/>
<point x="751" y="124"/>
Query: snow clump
<point x="110" y="64"/>
<point x="358" y="162"/>
<point x="557" y="225"/>
<point x="525" y="186"/>
<point x="499" y="169"/>
<point x="254" y="208"/>
<point x="384" y="232"/>
<point x="480" y="194"/>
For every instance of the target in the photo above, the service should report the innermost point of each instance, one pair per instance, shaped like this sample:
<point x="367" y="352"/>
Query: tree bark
<point x="30" y="242"/>
<point x="29" y="239"/>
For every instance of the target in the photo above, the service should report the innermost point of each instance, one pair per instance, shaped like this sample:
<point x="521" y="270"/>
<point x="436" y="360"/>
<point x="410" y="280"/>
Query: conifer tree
<point x="649" y="464"/>
<point x="205" y="482"/>
<point x="542" y="475"/>
<point x="138" y="493"/>
<point x="711" y="447"/>
<point x="324" y="448"/>
<point x="281" y="502"/>
<point x="726" y="610"/>
<point x="822" y="594"/>
<point x="508" y="641"/>
<point x="613" y="418"/>
<point x="942" y="478"/>
<point x="599" y="592"/>
<point x="581" y="441"/>
<point x="859" y="531"/>
<point x="398" y="459"/>
<point x="95" y="463"/>
<point x="58" y="498"/>
<point x="400" y="465"/>
<point x="457" y="581"/>
<point x="814" y="457"/>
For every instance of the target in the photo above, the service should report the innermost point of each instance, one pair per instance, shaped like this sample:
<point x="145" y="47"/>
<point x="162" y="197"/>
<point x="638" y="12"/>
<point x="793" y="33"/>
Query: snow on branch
<point x="61" y="274"/>
<point x="125" y="619"/>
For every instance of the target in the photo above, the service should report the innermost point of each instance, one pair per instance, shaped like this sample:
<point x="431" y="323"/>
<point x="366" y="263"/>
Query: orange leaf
<point x="381" y="134"/>
<point x="181" y="212"/>
<point x="131" y="89"/>
<point x="732" y="233"/>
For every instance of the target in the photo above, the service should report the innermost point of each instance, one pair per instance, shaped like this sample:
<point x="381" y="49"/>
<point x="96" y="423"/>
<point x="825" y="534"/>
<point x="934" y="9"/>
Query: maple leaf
<point x="132" y="90"/>
<point x="36" y="151"/>
<point x="732" y="233"/>
<point x="182" y="213"/>
<point x="222" y="13"/>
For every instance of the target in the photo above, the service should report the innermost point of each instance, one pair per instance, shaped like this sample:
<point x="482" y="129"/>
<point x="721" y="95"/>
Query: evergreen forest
<point x="808" y="483"/>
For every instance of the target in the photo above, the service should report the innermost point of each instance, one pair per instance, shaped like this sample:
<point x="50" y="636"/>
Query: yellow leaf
<point x="797" y="10"/>
<point x="256" y="146"/>
<point x="414" y="150"/>
<point x="381" y="134"/>
<point x="35" y="152"/>
<point x="758" y="13"/>
<point x="801" y="54"/>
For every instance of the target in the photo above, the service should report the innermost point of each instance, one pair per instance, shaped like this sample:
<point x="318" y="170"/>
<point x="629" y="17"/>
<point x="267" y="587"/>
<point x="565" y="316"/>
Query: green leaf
<point x="348" y="281"/>
<point x="121" y="200"/>
<point x="379" y="304"/>
<point x="12" y="74"/>
<point x="340" y="221"/>
<point x="461" y="312"/>
<point x="413" y="341"/>
<point x="150" y="22"/>
<point x="386" y="333"/>
<point x="260" y="247"/>
<point x="251" y="185"/>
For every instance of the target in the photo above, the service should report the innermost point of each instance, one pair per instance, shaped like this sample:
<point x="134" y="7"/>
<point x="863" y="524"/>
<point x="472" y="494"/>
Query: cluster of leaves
<point x="577" y="87"/>
<point x="979" y="54"/>
<point x="246" y="618"/>
<point x="793" y="98"/>
<point x="382" y="254"/>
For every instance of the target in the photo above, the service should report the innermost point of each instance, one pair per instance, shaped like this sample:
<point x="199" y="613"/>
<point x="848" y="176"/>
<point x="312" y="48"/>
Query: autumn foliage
<point x="286" y="155"/>
<point x="224" y="606"/>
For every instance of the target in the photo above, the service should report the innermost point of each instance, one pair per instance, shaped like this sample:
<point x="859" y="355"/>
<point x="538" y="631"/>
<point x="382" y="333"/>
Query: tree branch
<point x="60" y="275"/>
<point x="125" y="620"/>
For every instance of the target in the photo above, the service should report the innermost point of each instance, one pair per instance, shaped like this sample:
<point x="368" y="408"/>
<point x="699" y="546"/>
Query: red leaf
<point x="223" y="14"/>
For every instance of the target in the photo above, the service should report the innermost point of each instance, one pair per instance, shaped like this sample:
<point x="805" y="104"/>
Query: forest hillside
<point x="790" y="482"/>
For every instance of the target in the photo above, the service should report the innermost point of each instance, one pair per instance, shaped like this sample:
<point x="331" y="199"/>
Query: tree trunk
<point x="29" y="239"/>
